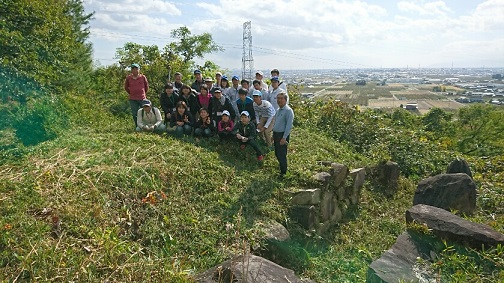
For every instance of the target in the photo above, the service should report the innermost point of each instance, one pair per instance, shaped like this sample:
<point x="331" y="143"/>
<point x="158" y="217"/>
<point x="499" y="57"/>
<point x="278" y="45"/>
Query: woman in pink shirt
<point x="137" y="86"/>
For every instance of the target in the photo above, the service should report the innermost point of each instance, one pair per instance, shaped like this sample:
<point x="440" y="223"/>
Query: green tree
<point x="438" y="121"/>
<point x="480" y="130"/>
<point x="45" y="40"/>
<point x="191" y="46"/>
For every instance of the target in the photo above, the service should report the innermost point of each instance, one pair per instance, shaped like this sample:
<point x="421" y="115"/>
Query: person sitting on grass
<point x="246" y="133"/>
<point x="225" y="126"/>
<point x="149" y="118"/>
<point x="205" y="126"/>
<point x="181" y="120"/>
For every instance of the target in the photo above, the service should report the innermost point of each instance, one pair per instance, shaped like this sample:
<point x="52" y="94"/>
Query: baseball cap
<point x="197" y="72"/>
<point x="217" y="90"/>
<point x="218" y="73"/>
<point x="146" y="102"/>
<point x="256" y="93"/>
<point x="245" y="113"/>
<point x="225" y="112"/>
<point x="224" y="78"/>
<point x="235" y="78"/>
<point x="135" y="65"/>
<point x="208" y="79"/>
<point x="274" y="79"/>
<point x="260" y="73"/>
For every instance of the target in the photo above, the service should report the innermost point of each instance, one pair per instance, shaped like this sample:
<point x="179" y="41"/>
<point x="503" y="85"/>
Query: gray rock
<point x="324" y="178"/>
<point x="358" y="177"/>
<point x="305" y="215"/>
<point x="388" y="177"/>
<point x="310" y="196"/>
<point x="339" y="172"/>
<point x="250" y="269"/>
<point x="327" y="206"/>
<point x="448" y="191"/>
<point x="400" y="264"/>
<point x="337" y="213"/>
<point x="459" y="166"/>
<point x="273" y="230"/>
<point x="447" y="225"/>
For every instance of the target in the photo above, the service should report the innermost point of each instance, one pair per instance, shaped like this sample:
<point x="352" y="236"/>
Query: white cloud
<point x="437" y="8"/>
<point x="133" y="7"/>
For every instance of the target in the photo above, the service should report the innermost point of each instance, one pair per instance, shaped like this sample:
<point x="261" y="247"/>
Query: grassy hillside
<point x="103" y="203"/>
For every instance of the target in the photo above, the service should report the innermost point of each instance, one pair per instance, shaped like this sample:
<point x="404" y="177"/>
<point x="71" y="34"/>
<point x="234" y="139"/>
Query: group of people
<point x="236" y="111"/>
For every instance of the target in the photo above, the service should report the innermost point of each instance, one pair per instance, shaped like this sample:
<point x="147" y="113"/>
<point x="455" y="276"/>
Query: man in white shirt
<point x="149" y="118"/>
<point x="265" y="117"/>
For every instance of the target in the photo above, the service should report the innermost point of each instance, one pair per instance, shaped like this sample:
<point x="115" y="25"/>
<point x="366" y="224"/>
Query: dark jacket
<point x="200" y="124"/>
<point x="168" y="104"/>
<point x="248" y="106"/>
<point x="216" y="108"/>
<point x="176" y="117"/>
<point x="197" y="85"/>
<point x="192" y="102"/>
<point x="248" y="130"/>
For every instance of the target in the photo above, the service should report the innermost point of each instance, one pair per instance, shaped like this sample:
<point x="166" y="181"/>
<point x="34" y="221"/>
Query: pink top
<point x="136" y="88"/>
<point x="203" y="100"/>
<point x="223" y="125"/>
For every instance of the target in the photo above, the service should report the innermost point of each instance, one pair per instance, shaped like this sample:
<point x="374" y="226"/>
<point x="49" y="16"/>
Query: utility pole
<point x="247" y="60"/>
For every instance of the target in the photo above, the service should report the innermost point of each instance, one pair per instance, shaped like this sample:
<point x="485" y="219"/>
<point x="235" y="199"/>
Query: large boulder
<point x="310" y="196"/>
<point x="448" y="191"/>
<point x="339" y="172"/>
<point x="400" y="263"/>
<point x="251" y="269"/>
<point x="452" y="227"/>
<point x="459" y="166"/>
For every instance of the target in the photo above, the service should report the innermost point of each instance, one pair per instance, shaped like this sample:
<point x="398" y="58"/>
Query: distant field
<point x="388" y="96"/>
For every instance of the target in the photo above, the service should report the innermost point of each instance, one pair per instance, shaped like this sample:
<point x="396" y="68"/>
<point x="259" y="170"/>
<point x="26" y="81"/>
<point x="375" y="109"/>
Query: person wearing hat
<point x="219" y="103"/>
<point x="137" y="86"/>
<point x="224" y="85"/>
<point x="225" y="126"/>
<point x="168" y="100"/>
<point x="265" y="117"/>
<point x="281" y="84"/>
<point x="178" y="81"/>
<point x="245" y="103"/>
<point x="259" y="76"/>
<point x="210" y="85"/>
<point x="284" y="118"/>
<point x="196" y="85"/>
<point x="149" y="118"/>
<point x="274" y="91"/>
<point x="246" y="134"/>
<point x="232" y="92"/>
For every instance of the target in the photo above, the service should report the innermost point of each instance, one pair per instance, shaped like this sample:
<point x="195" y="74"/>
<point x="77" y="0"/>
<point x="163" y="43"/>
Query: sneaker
<point x="260" y="158"/>
<point x="242" y="146"/>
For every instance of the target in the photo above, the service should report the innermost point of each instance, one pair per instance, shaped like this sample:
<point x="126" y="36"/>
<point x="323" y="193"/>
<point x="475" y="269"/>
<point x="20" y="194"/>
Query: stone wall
<point x="321" y="207"/>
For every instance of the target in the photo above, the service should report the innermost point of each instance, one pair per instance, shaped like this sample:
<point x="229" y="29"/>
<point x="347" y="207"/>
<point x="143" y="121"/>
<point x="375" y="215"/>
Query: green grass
<point x="102" y="202"/>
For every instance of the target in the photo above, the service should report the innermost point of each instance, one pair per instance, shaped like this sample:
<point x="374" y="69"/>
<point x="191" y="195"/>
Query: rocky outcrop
<point x="452" y="227"/>
<point x="251" y="269"/>
<point x="320" y="208"/>
<point x="400" y="263"/>
<point x="413" y="251"/>
<point x="449" y="192"/>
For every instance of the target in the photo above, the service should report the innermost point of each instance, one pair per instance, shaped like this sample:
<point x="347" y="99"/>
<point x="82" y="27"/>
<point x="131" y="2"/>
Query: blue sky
<point x="316" y="34"/>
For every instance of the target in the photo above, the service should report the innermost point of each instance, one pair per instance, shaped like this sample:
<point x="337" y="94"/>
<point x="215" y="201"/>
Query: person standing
<point x="196" y="85"/>
<point x="265" y="117"/>
<point x="281" y="84"/>
<point x="178" y="81"/>
<point x="137" y="86"/>
<point x="284" y="119"/>
<point x="168" y="101"/>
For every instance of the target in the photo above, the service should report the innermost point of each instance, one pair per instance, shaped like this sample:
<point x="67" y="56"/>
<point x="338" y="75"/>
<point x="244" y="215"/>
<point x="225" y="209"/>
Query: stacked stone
<point x="320" y="208"/>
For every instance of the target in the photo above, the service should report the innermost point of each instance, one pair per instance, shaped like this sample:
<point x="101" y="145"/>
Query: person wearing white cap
<point x="225" y="126"/>
<point x="265" y="117"/>
<point x="246" y="134"/>
<point x="149" y="118"/>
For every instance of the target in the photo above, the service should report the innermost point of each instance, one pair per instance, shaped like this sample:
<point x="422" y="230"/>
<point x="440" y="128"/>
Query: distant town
<point x="413" y="89"/>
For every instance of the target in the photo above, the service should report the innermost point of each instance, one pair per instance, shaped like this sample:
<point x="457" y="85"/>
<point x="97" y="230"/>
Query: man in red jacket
<point x="137" y="86"/>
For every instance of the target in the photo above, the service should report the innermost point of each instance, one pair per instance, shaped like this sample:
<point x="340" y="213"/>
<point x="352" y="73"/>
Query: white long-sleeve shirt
<point x="265" y="110"/>
<point x="150" y="118"/>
